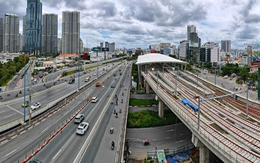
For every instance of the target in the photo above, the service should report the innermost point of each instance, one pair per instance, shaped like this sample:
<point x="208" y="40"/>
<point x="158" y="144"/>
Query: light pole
<point x="247" y="102"/>
<point x="79" y="68"/>
<point x="215" y="76"/>
<point x="156" y="78"/>
<point x="24" y="96"/>
<point x="198" y="113"/>
<point x="176" y="79"/>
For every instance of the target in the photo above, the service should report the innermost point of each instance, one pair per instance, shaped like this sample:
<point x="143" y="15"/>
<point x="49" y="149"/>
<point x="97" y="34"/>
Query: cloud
<point x="131" y="23"/>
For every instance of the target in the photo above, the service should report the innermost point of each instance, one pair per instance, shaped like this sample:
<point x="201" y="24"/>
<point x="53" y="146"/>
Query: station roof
<point x="157" y="58"/>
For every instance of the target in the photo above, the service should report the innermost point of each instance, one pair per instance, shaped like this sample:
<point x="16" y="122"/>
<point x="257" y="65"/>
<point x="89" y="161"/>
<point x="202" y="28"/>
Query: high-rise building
<point x="11" y="39"/>
<point x="101" y="45"/>
<point x="70" y="32"/>
<point x="226" y="45"/>
<point x="112" y="47"/>
<point x="1" y="34"/>
<point x="59" y="45"/>
<point x="50" y="33"/>
<point x="190" y="28"/>
<point x="32" y="42"/>
<point x="106" y="45"/>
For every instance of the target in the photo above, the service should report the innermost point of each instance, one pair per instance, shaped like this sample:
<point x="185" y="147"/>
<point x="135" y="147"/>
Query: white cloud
<point x="144" y="22"/>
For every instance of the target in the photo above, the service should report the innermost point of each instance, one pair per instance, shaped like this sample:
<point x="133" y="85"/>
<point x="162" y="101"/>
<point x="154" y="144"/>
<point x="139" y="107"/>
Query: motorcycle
<point x="146" y="142"/>
<point x="111" y="130"/>
<point x="112" y="145"/>
<point x="116" y="115"/>
<point x="120" y="111"/>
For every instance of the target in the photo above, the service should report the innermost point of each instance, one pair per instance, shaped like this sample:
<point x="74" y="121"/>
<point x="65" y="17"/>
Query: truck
<point x="98" y="84"/>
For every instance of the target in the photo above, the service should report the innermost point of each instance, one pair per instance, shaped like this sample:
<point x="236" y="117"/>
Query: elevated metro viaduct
<point x="146" y="63"/>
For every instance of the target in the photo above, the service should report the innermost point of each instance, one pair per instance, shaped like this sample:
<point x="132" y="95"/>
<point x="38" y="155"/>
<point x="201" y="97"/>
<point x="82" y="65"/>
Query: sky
<point x="140" y="23"/>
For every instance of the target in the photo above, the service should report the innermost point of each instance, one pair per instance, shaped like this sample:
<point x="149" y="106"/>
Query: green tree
<point x="243" y="74"/>
<point x="208" y="65"/>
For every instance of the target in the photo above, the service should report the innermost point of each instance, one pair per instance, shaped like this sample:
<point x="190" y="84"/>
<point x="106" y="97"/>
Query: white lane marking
<point x="181" y="134"/>
<point x="56" y="154"/>
<point x="10" y="152"/>
<point x="170" y="130"/>
<point x="154" y="139"/>
<point x="14" y="109"/>
<point x="3" y="111"/>
<point x="45" y="129"/>
<point x="168" y="137"/>
<point x="179" y="141"/>
<point x="9" y="116"/>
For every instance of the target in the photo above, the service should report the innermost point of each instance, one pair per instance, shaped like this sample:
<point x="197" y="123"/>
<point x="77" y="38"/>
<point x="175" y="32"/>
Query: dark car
<point x="35" y="161"/>
<point x="71" y="81"/>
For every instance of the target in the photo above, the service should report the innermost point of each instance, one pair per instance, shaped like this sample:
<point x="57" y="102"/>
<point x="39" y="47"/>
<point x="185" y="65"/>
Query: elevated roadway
<point x="229" y="150"/>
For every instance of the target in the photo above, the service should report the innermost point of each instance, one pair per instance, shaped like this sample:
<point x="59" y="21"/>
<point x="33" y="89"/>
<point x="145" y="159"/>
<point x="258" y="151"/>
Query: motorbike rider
<point x="111" y="128"/>
<point x="112" y="143"/>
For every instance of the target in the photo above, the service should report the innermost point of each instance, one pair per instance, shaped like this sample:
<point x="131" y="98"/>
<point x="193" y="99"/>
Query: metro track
<point x="232" y="145"/>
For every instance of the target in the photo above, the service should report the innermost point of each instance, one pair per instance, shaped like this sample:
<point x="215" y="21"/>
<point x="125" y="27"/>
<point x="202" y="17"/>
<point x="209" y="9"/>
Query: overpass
<point x="234" y="140"/>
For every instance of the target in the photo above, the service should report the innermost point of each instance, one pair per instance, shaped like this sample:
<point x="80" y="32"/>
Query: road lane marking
<point x="14" y="109"/>
<point x="154" y="139"/>
<point x="3" y="111"/>
<point x="181" y="134"/>
<point x="10" y="152"/>
<point x="9" y="116"/>
<point x="168" y="137"/>
<point x="179" y="141"/>
<point x="170" y="130"/>
<point x="56" y="154"/>
<point x="45" y="129"/>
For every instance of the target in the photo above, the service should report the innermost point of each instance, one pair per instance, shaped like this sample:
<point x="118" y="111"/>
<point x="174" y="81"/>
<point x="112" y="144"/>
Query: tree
<point x="243" y="74"/>
<point x="208" y="65"/>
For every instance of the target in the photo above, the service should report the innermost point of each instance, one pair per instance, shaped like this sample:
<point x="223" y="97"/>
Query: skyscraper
<point x="50" y="33"/>
<point x="11" y="38"/>
<point x="1" y="34"/>
<point x="190" y="28"/>
<point x="32" y="42"/>
<point x="70" y="32"/>
<point x="226" y="45"/>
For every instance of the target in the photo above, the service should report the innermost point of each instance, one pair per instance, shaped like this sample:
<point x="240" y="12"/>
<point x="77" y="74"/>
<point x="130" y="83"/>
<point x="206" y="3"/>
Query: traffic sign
<point x="96" y="49"/>
<point x="105" y="49"/>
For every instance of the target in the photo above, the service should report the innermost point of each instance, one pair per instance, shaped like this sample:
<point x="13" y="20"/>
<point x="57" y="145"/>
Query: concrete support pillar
<point x="147" y="86"/>
<point x="161" y="109"/>
<point x="204" y="151"/>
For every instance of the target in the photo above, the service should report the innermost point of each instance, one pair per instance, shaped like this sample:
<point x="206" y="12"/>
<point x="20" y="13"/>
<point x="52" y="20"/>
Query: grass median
<point x="149" y="118"/>
<point x="142" y="102"/>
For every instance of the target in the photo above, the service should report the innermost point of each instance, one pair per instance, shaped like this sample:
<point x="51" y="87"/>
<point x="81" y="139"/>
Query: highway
<point x="44" y="93"/>
<point x="90" y="110"/>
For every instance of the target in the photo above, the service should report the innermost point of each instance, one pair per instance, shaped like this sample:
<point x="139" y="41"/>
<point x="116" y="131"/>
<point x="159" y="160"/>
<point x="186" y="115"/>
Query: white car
<point x="36" y="105"/>
<point x="82" y="128"/>
<point x="94" y="99"/>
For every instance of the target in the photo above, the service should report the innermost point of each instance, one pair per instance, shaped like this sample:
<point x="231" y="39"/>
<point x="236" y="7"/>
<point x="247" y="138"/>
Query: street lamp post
<point x="79" y="68"/>
<point x="156" y="78"/>
<point x="24" y="98"/>
<point x="215" y="76"/>
<point x="247" y="102"/>
<point x="198" y="113"/>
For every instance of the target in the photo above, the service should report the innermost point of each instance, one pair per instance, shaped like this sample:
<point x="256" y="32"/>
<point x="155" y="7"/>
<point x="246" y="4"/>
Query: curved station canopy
<point x="157" y="58"/>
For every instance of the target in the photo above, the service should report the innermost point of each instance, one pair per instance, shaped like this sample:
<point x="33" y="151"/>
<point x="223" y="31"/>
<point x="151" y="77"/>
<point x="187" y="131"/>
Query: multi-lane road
<point x="67" y="144"/>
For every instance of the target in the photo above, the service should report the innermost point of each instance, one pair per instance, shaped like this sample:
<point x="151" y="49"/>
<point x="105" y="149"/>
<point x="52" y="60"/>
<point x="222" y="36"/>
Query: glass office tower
<point x="32" y="42"/>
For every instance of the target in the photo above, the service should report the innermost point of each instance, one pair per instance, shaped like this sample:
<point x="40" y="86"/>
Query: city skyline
<point x="142" y="23"/>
